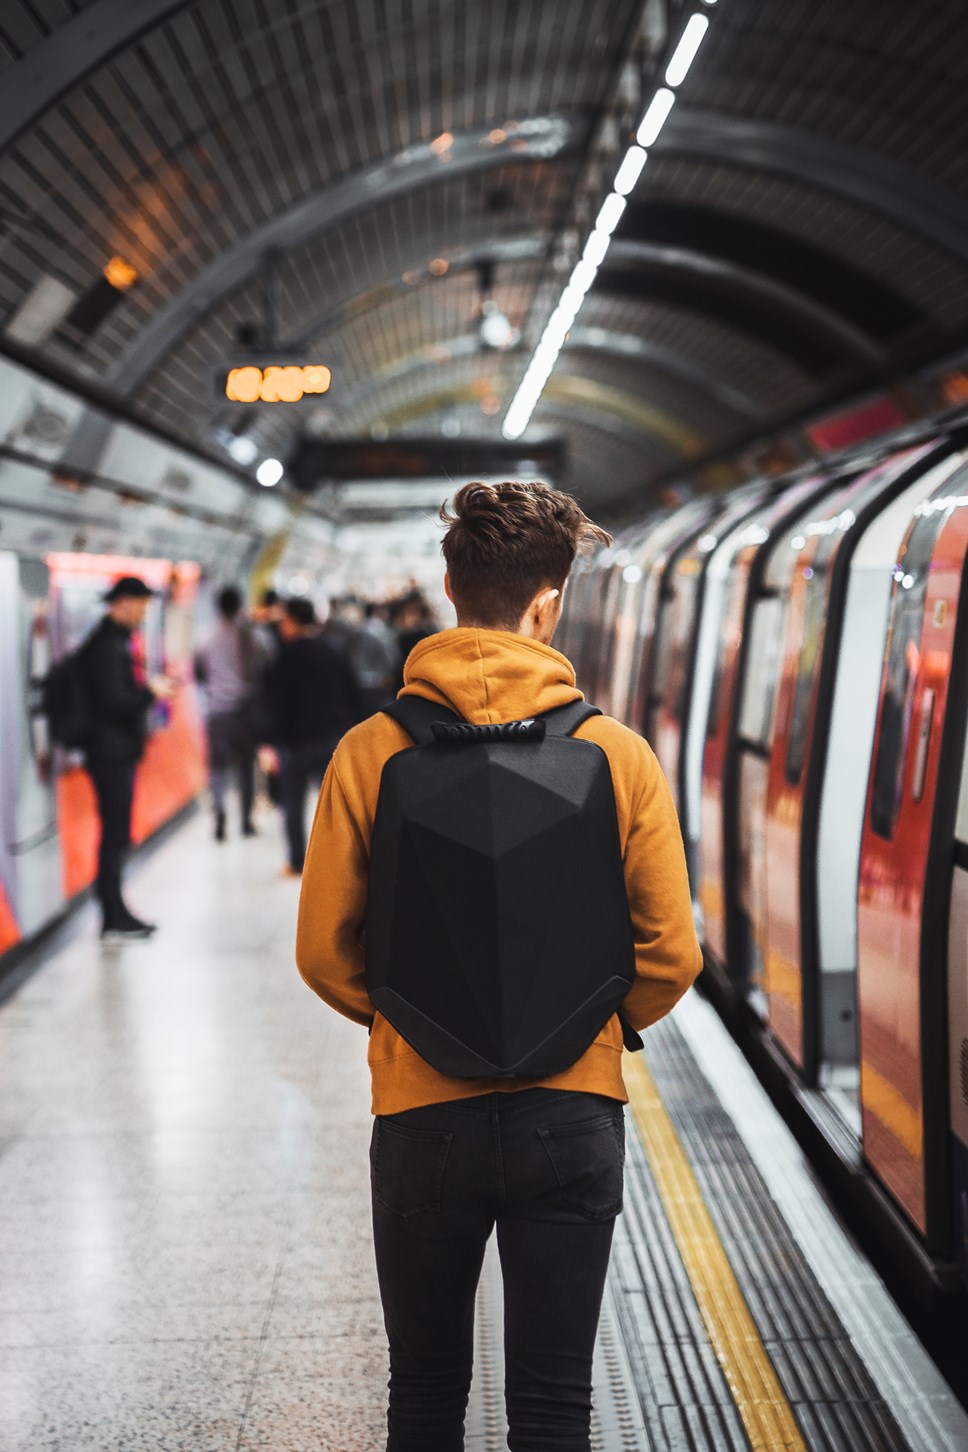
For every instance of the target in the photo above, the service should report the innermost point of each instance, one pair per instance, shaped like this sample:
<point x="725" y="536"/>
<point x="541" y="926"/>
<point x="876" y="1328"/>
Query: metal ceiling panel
<point x="346" y="136"/>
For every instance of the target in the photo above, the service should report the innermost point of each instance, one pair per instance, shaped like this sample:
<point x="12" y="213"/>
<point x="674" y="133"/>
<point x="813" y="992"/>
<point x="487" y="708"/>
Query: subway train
<point x="84" y="498"/>
<point x="796" y="653"/>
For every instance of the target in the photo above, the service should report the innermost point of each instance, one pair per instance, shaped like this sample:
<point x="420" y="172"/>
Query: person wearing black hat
<point x="117" y="705"/>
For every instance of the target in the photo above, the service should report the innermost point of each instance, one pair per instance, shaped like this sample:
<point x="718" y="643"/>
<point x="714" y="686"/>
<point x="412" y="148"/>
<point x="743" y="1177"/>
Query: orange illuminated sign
<point x="120" y="274"/>
<point x="276" y="384"/>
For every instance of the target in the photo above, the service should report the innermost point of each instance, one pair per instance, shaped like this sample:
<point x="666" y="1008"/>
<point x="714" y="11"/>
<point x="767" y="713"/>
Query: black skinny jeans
<point x="299" y="765"/>
<point x="231" y="743"/>
<point x="547" y="1169"/>
<point x="113" y="780"/>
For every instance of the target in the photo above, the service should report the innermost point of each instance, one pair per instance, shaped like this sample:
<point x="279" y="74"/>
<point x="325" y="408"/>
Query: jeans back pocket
<point x="407" y="1167"/>
<point x="588" y="1158"/>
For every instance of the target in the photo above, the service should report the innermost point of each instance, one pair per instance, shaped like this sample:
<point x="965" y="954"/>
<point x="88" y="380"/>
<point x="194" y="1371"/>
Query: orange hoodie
<point x="487" y="676"/>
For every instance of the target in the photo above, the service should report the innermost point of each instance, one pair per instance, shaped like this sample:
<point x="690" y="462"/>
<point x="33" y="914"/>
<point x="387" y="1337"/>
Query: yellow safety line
<point x="764" y="1410"/>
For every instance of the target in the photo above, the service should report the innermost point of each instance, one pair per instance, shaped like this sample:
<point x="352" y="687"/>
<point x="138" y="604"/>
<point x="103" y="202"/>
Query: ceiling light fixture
<point x="495" y="328"/>
<point x="655" y="117"/>
<point x="242" y="449"/>
<point x="583" y="275"/>
<point x="610" y="214"/>
<point x="269" y="472"/>
<point x="496" y="331"/>
<point x="545" y="355"/>
<point x="630" y="170"/>
<point x="685" y="51"/>
<point x="596" y="247"/>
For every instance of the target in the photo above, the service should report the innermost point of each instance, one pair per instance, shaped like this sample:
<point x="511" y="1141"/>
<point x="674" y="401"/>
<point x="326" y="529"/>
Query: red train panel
<point x="906" y="868"/>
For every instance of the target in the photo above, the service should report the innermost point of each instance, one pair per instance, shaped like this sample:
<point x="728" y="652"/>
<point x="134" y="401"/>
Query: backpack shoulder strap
<point x="565" y="720"/>
<point x="417" y="716"/>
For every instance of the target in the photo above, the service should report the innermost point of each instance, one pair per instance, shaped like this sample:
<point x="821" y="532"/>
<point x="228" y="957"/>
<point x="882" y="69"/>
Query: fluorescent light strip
<point x="610" y="214"/>
<point x="583" y="275"/>
<point x="656" y="116"/>
<point x="596" y="247"/>
<point x="685" y="51"/>
<point x="630" y="170"/>
<point x="545" y="355"/>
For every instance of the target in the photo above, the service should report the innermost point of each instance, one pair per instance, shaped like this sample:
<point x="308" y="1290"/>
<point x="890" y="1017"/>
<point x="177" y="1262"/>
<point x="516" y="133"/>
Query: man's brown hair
<point x="506" y="542"/>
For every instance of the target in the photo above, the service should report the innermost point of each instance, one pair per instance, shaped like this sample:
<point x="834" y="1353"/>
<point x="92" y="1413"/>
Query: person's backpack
<point x="64" y="701"/>
<point x="498" y="937"/>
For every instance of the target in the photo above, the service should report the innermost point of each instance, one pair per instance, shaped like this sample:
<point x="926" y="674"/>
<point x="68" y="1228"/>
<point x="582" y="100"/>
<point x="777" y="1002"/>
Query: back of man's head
<point x="229" y="602"/>
<point x="507" y="542"/>
<point x="301" y="612"/>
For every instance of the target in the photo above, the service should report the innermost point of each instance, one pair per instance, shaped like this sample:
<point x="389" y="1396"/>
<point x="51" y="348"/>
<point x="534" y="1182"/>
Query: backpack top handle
<point x="426" y="722"/>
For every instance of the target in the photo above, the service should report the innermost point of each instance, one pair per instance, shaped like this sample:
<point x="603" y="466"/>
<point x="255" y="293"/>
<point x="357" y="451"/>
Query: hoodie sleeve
<point x="332" y="906"/>
<point x="667" y="953"/>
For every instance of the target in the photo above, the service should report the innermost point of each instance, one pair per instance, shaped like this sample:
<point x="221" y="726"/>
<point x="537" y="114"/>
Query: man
<point x="228" y="667"/>
<point x="410" y="620"/>
<point x="540" y="1158"/>
<point x="267" y="618"/>
<point x="117" y="705"/>
<point x="375" y="657"/>
<point x="310" y="698"/>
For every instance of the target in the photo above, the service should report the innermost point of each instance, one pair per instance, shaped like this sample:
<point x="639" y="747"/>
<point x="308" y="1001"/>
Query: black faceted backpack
<point x="498" y="938"/>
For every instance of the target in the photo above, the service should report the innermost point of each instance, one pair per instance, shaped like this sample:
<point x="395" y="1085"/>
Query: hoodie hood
<point x="489" y="675"/>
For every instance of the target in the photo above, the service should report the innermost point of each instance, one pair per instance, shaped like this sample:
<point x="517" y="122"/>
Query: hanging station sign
<point x="276" y="383"/>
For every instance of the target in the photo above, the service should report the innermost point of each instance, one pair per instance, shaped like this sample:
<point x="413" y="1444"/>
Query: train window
<point x="924" y="740"/>
<point x="717" y="692"/>
<point x="902" y="660"/>
<point x="665" y="658"/>
<point x="679" y="686"/>
<point x="728" y="643"/>
<point x="811" y="644"/>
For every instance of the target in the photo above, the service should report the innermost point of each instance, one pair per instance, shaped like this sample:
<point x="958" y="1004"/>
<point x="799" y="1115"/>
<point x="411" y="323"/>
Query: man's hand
<point x="162" y="687"/>
<point x="269" y="760"/>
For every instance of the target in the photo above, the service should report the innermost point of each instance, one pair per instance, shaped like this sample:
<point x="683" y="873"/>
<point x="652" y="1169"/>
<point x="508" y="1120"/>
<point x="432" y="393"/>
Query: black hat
<point x="129" y="587"/>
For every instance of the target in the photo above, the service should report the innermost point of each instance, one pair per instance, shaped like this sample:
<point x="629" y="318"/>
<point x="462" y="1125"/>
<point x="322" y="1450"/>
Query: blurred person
<point x="375" y="657"/>
<point x="343" y="623"/>
<point x="411" y="621"/>
<point x="454" y="1155"/>
<point x="409" y="617"/>
<point x="228" y="666"/>
<point x="267" y="617"/>
<point x="310" y="698"/>
<point x="117" y="706"/>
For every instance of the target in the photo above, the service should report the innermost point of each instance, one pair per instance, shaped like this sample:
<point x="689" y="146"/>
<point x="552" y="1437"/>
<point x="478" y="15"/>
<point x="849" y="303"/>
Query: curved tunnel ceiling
<point x="803" y="221"/>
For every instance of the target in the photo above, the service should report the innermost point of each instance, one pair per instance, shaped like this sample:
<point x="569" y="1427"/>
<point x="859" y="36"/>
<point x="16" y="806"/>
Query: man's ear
<point x="544" y="609"/>
<point x="447" y="590"/>
<point x="546" y="600"/>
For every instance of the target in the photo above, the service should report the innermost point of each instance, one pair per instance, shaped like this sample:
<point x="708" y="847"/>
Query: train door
<point x="958" y="1024"/>
<point x="651" y="560"/>
<point x="715" y="721"/>
<point x="29" y="848"/>
<point x="817" y="644"/>
<point x="712" y="868"/>
<point x="694" y="593"/>
<point x="566" y="636"/>
<point x="623" y="617"/>
<point x="595" y="624"/>
<point x="600" y="670"/>
<point x="575" y="621"/>
<point x="907" y="914"/>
